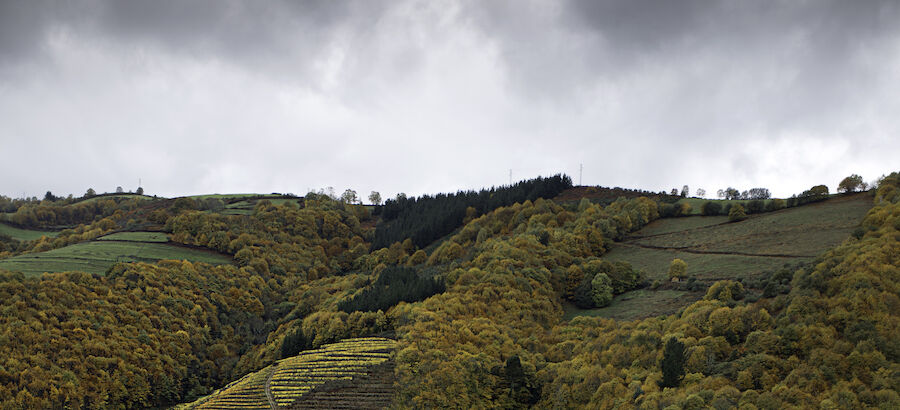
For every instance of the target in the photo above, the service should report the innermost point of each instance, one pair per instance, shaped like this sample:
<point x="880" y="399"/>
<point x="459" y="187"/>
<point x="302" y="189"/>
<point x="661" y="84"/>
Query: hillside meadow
<point x="715" y="250"/>
<point x="25" y="234"/>
<point x="98" y="256"/>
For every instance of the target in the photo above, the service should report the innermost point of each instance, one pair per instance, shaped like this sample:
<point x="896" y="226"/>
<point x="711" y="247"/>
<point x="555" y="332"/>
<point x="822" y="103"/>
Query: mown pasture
<point x="716" y="250"/>
<point x="97" y="256"/>
<point x="115" y="196"/>
<point x="246" y="207"/>
<point x="136" y="237"/>
<point x="25" y="234"/>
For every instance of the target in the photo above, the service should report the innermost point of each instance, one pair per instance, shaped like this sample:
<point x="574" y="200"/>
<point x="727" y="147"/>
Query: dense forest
<point x="52" y="215"/>
<point x="471" y="285"/>
<point x="427" y="218"/>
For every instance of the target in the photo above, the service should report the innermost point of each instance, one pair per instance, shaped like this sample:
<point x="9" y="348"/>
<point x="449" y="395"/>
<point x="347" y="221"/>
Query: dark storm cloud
<point x="698" y="76"/>
<point x="425" y="96"/>
<point x="275" y="37"/>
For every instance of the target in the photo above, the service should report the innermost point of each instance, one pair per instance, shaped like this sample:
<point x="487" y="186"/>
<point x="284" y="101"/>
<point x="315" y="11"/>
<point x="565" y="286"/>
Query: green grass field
<point x="125" y="196"/>
<point x="97" y="256"/>
<point x="246" y="207"/>
<point x="716" y="251"/>
<point x="24" y="234"/>
<point x="803" y="231"/>
<point x="136" y="237"/>
<point x="232" y="196"/>
<point x="637" y="304"/>
<point x="679" y="225"/>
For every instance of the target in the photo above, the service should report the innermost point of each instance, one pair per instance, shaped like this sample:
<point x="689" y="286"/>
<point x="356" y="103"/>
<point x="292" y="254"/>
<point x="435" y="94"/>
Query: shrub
<point x="736" y="213"/>
<point x="778" y="203"/>
<point x="756" y="206"/>
<point x="711" y="208"/>
<point x="725" y="291"/>
<point x="601" y="291"/>
<point x="667" y="211"/>
<point x="677" y="269"/>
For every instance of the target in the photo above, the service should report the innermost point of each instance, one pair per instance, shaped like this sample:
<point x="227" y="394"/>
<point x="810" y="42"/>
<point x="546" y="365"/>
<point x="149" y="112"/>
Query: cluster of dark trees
<point x="295" y="342"/>
<point x="395" y="284"/>
<point x="756" y="206"/>
<point x="814" y="194"/>
<point x="427" y="218"/>
<point x="8" y="243"/>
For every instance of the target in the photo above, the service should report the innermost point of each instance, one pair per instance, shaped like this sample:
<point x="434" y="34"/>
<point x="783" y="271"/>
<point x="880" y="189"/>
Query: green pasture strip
<point x="637" y="304"/>
<point x="232" y="196"/>
<point x="136" y="237"/>
<point x="25" y="234"/>
<point x="126" y="196"/>
<point x="96" y="257"/>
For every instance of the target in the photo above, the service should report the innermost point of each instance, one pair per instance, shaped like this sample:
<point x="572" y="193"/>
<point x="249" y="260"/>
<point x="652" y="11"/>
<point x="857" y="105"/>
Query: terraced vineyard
<point x="249" y="392"/>
<point x="354" y="373"/>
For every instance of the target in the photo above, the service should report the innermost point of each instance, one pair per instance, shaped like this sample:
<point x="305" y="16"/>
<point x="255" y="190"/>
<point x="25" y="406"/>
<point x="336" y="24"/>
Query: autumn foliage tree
<point x="677" y="269"/>
<point x="852" y="183"/>
<point x="737" y="213"/>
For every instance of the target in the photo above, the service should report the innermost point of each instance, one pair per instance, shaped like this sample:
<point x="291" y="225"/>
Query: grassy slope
<point x="136" y="237"/>
<point x="798" y="234"/>
<point x="125" y="196"/>
<point x="246" y="207"/>
<point x="97" y="256"/>
<point x="233" y="196"/>
<point x="802" y="231"/>
<point x="679" y="224"/>
<point x="24" y="234"/>
<point x="697" y="203"/>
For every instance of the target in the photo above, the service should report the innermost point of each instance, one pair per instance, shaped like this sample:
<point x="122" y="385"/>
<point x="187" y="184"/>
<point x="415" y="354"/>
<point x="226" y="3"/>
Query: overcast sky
<point x="433" y="96"/>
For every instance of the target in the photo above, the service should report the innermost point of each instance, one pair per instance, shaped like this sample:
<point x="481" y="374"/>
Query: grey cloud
<point x="286" y="95"/>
